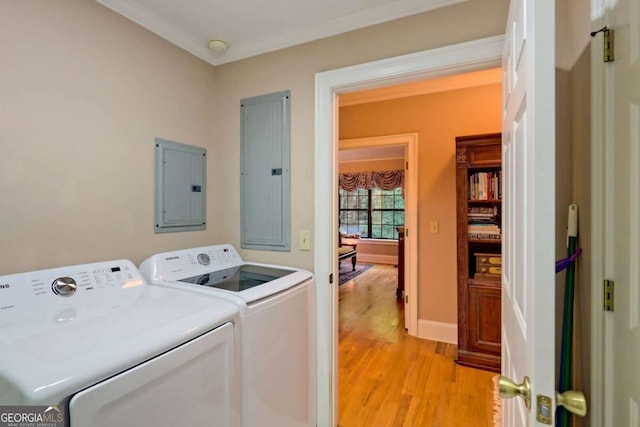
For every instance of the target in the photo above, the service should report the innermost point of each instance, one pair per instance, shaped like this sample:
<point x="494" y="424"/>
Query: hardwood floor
<point x="388" y="378"/>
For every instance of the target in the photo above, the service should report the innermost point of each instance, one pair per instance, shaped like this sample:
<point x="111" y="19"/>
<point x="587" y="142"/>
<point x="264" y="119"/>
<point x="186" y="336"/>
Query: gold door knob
<point x="573" y="401"/>
<point x="509" y="389"/>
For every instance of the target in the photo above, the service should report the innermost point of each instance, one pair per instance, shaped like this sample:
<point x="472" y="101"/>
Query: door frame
<point x="459" y="58"/>
<point x="601" y="108"/>
<point x="410" y="143"/>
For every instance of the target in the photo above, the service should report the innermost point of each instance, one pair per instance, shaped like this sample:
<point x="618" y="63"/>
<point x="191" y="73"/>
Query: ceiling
<point x="253" y="27"/>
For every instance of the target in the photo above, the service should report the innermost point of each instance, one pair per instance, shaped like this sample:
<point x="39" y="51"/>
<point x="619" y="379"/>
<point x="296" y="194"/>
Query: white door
<point x="622" y="402"/>
<point x="528" y="283"/>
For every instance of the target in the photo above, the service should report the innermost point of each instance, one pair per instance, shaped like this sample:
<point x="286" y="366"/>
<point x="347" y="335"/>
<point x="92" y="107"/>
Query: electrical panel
<point x="180" y="187"/>
<point x="265" y="172"/>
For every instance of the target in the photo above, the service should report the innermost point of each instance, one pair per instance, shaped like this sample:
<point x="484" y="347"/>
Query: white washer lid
<point x="52" y="346"/>
<point x="174" y="268"/>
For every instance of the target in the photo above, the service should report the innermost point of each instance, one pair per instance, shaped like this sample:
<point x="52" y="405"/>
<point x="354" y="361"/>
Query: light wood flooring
<point x="388" y="378"/>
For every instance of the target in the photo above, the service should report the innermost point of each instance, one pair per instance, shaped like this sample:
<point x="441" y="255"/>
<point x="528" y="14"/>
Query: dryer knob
<point x="204" y="259"/>
<point x="64" y="286"/>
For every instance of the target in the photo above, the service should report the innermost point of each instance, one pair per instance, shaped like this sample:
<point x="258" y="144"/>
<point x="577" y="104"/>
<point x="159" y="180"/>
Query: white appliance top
<point x="220" y="269"/>
<point x="64" y="329"/>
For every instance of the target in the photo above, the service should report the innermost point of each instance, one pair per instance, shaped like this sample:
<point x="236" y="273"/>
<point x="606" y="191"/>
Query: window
<point x="373" y="213"/>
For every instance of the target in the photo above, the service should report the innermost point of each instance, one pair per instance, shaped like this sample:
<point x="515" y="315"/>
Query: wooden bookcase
<point x="478" y="221"/>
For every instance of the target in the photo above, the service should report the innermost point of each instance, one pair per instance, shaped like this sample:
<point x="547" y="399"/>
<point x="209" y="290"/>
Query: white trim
<point x="372" y="16"/>
<point x="438" y="331"/>
<point x="463" y="57"/>
<point x="597" y="400"/>
<point x="377" y="259"/>
<point x="240" y="49"/>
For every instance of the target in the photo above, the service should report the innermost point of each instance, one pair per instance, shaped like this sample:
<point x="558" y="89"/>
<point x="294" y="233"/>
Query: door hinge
<point x="331" y="278"/>
<point x="608" y="47"/>
<point x="406" y="166"/>
<point x="406" y="298"/>
<point x="609" y="288"/>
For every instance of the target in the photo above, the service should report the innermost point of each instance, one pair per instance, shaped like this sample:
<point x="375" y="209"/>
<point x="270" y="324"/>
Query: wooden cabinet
<point x="479" y="209"/>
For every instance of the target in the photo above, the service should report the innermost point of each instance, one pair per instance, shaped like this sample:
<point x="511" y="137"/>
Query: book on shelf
<point x="482" y="211"/>
<point x="487" y="232"/>
<point x="485" y="185"/>
<point x="484" y="223"/>
<point x="481" y="214"/>
<point x="481" y="217"/>
<point x="484" y="236"/>
<point x="484" y="230"/>
<point x="484" y="227"/>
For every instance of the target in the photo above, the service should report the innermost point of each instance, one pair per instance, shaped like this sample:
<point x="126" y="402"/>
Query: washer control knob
<point x="64" y="286"/>
<point x="204" y="259"/>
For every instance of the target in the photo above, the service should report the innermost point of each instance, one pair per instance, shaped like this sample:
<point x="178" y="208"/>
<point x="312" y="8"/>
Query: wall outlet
<point x="305" y="240"/>
<point x="434" y="227"/>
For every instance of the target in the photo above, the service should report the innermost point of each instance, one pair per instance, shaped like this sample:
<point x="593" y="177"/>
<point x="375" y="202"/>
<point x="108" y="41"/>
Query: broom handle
<point x="566" y="353"/>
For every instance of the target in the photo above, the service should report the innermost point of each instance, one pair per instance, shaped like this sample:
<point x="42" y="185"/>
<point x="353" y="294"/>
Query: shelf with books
<point x="489" y="241"/>
<point x="485" y="185"/>
<point x="483" y="222"/>
<point x="479" y="207"/>
<point x="480" y="202"/>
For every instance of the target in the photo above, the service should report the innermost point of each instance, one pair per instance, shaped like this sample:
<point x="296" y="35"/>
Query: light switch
<point x="305" y="240"/>
<point x="434" y="227"/>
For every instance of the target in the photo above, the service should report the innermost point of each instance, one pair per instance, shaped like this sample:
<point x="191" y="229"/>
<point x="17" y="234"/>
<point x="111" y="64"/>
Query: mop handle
<point x="572" y="231"/>
<point x="566" y="352"/>
<point x="572" y="227"/>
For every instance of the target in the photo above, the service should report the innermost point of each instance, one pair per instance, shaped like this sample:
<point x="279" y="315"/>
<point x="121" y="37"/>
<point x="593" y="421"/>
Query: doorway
<point x="409" y="144"/>
<point x="465" y="57"/>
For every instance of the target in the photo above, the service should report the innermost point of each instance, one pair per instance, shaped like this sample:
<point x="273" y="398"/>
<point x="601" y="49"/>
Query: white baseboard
<point x="378" y="259"/>
<point x="438" y="331"/>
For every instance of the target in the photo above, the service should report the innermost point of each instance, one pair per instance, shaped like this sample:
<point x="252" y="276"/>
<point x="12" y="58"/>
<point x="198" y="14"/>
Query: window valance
<point x="385" y="180"/>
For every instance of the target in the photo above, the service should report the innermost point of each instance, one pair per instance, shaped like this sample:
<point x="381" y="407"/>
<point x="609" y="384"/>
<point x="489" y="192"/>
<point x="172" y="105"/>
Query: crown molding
<point x="186" y="40"/>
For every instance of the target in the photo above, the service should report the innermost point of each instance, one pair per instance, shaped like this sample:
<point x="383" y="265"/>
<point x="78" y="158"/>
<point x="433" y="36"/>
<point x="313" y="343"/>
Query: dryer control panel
<point x="58" y="286"/>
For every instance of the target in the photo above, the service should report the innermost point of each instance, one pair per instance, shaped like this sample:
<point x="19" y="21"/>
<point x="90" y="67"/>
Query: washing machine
<point x="101" y="347"/>
<point x="277" y="326"/>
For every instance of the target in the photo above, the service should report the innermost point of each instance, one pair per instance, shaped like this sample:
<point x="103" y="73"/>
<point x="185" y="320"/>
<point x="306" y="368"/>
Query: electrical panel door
<point x="265" y="175"/>
<point x="180" y="176"/>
